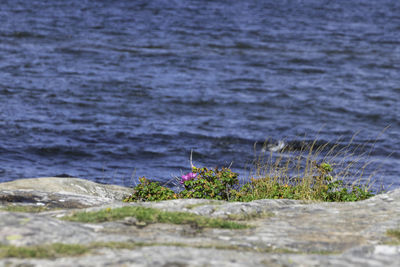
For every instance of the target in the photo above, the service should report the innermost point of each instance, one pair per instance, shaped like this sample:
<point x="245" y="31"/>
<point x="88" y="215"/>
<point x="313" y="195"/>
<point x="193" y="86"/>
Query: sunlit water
<point x="113" y="90"/>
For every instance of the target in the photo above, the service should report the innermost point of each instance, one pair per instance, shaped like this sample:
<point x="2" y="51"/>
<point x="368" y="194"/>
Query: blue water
<point x="114" y="90"/>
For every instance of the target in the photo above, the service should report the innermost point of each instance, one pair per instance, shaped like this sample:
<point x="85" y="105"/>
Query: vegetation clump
<point x="215" y="184"/>
<point x="223" y="184"/>
<point x="151" y="215"/>
<point x="42" y="251"/>
<point x="395" y="234"/>
<point x="52" y="251"/>
<point x="321" y="187"/>
<point x="150" y="191"/>
<point x="308" y="173"/>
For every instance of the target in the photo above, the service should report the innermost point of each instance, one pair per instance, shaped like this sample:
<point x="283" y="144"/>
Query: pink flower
<point x="188" y="177"/>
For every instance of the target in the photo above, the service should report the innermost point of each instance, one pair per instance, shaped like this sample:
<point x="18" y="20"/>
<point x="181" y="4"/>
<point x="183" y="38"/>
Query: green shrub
<point x="150" y="191"/>
<point x="210" y="184"/>
<point x="336" y="192"/>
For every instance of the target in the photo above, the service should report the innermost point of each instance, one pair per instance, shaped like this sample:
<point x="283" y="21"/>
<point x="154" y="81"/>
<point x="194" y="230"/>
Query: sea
<point x="111" y="91"/>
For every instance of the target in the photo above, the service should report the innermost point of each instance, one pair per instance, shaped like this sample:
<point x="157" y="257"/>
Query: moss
<point x="70" y="250"/>
<point x="133" y="245"/>
<point x="395" y="234"/>
<point x="118" y="245"/>
<point x="42" y="251"/>
<point x="151" y="215"/>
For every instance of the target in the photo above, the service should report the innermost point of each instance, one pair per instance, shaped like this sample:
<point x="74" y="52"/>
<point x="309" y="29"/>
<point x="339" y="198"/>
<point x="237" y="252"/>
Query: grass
<point x="57" y="250"/>
<point x="330" y="171"/>
<point x="42" y="251"/>
<point x="151" y="215"/>
<point x="395" y="234"/>
<point x="70" y="250"/>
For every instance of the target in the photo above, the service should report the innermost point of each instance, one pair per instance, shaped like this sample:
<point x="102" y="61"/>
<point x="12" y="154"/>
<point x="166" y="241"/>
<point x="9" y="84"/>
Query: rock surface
<point x="284" y="232"/>
<point x="67" y="186"/>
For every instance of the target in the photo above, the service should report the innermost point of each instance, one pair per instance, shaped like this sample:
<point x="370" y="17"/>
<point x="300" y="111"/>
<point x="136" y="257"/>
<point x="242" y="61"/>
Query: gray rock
<point x="68" y="186"/>
<point x="284" y="232"/>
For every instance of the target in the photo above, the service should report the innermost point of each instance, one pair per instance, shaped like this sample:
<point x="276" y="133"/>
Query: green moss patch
<point x="58" y="250"/>
<point x="395" y="234"/>
<point x="151" y="215"/>
<point x="43" y="251"/>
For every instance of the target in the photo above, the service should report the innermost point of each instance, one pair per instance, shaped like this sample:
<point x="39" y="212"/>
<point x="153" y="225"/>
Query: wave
<point x="22" y="34"/>
<point x="58" y="151"/>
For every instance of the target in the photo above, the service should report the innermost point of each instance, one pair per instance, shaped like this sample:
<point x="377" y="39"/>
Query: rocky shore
<point x="280" y="232"/>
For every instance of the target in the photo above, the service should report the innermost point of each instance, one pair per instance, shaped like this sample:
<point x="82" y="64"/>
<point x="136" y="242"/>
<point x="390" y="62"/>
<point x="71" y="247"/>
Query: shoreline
<point x="282" y="232"/>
